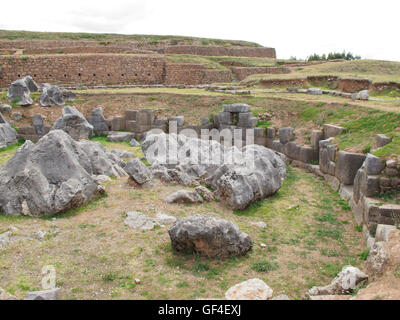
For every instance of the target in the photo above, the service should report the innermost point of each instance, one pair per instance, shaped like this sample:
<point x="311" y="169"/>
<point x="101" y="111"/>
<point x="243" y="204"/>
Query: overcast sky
<point x="294" y="28"/>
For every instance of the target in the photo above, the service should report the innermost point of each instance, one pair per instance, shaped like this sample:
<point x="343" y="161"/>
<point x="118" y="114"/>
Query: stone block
<point x="285" y="135"/>
<point x="382" y="140"/>
<point x="118" y="123"/>
<point x="225" y="118"/>
<point x="236" y="107"/>
<point x="308" y="154"/>
<point x="130" y="115"/>
<point x="316" y="137"/>
<point x="271" y="133"/>
<point x="373" y="165"/>
<point x="292" y="150"/>
<point x="277" y="146"/>
<point x="247" y="120"/>
<point x="383" y="232"/>
<point x="331" y="130"/>
<point x="145" y="117"/>
<point x="347" y="165"/>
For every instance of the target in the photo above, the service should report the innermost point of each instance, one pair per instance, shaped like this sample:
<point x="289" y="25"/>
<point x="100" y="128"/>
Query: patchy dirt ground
<point x="310" y="235"/>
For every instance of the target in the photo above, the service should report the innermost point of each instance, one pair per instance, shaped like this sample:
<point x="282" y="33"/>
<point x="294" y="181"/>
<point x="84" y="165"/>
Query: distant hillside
<point x="111" y="37"/>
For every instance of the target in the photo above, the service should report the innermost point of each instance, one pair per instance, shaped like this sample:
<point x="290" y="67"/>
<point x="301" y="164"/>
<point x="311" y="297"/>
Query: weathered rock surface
<point x="377" y="259"/>
<point x="253" y="289"/>
<point x="184" y="196"/>
<point x="139" y="221"/>
<point x="5" y="108"/>
<point x="373" y="165"/>
<point x="54" y="175"/>
<point x="19" y="93"/>
<point x="206" y="194"/>
<point x="74" y="123"/>
<point x="134" y="143"/>
<point x="98" y="121"/>
<point x="138" y="171"/>
<point x="5" y="239"/>
<point x="239" y="177"/>
<point x="208" y="236"/>
<point x="344" y="283"/>
<point x="52" y="294"/>
<point x="54" y="96"/>
<point x="116" y="136"/>
<point x="31" y="84"/>
<point x="4" y="295"/>
<point x="281" y="297"/>
<point x="163" y="218"/>
<point x="122" y="153"/>
<point x="382" y="140"/>
<point x="8" y="135"/>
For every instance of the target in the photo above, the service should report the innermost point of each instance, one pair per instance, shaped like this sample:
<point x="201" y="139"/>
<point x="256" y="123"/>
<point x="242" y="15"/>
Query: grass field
<point x="309" y="237"/>
<point x="112" y="37"/>
<point x="374" y="70"/>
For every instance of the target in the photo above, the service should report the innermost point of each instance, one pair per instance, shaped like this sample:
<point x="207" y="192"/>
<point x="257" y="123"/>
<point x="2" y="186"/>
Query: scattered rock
<point x="17" y="116"/>
<point x="102" y="178"/>
<point x="73" y="123"/>
<point x="255" y="173"/>
<point x="116" y="136"/>
<point x="163" y="218"/>
<point x="31" y="84"/>
<point x="208" y="236"/>
<point x="53" y="176"/>
<point x="8" y="135"/>
<point x="40" y="235"/>
<point x="52" y="294"/>
<point x="253" y="289"/>
<point x="19" y="93"/>
<point x="206" y="194"/>
<point x="344" y="283"/>
<point x="138" y="171"/>
<point x="139" y="221"/>
<point x="5" y="108"/>
<point x="330" y="297"/>
<point x="134" y="143"/>
<point x="184" y="196"/>
<point x="5" y="239"/>
<point x="51" y="96"/>
<point x="123" y="153"/>
<point x="6" y="296"/>
<point x="259" y="224"/>
<point x="98" y="121"/>
<point x="361" y="95"/>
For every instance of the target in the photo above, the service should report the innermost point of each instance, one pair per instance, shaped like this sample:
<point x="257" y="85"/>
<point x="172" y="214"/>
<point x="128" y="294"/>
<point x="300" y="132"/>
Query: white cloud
<point x="294" y="28"/>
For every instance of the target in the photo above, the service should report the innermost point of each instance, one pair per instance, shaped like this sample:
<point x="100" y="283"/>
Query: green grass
<point x="374" y="70"/>
<point x="8" y="152"/>
<point x="105" y="38"/>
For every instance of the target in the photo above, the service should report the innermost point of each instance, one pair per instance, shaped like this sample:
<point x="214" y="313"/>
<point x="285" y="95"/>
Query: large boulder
<point x="74" y="123"/>
<point x="8" y="135"/>
<point x="238" y="176"/>
<point x="138" y="171"/>
<point x="53" y="95"/>
<point x="19" y="93"/>
<point x="53" y="176"/>
<point x="31" y="84"/>
<point x="98" y="121"/>
<point x="208" y="236"/>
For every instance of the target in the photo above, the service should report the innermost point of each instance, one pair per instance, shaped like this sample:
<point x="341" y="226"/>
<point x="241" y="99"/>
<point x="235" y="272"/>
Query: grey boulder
<point x="184" y="196"/>
<point x="51" y="95"/>
<point x="209" y="236"/>
<point x="116" y="136"/>
<point x="31" y="84"/>
<point x="53" y="176"/>
<point x="19" y="93"/>
<point x="98" y="121"/>
<point x="344" y="283"/>
<point x="8" y="135"/>
<point x="255" y="172"/>
<point x="138" y="171"/>
<point x="73" y="123"/>
<point x="5" y="108"/>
